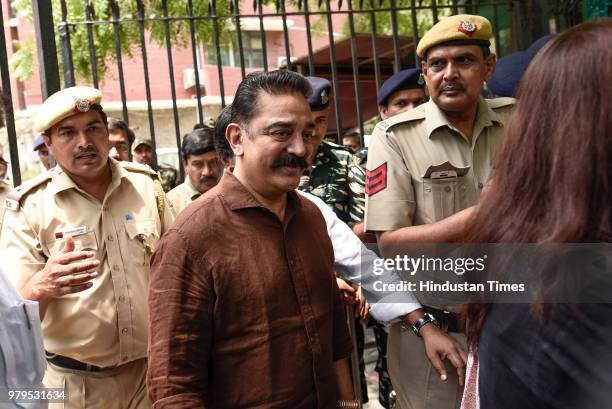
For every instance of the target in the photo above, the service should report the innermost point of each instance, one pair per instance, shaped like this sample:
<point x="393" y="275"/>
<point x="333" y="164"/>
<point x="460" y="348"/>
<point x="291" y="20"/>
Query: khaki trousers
<point x="123" y="387"/>
<point x="416" y="382"/>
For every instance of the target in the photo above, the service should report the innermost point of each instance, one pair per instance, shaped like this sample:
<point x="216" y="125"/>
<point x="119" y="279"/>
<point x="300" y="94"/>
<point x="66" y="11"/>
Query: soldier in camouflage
<point x="142" y="152"/>
<point x="401" y="92"/>
<point x="328" y="176"/>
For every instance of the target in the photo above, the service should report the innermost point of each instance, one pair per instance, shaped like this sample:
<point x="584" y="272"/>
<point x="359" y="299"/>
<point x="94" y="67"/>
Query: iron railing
<point x="392" y="47"/>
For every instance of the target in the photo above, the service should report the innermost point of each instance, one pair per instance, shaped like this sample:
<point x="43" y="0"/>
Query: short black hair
<point x="117" y="125"/>
<point x="198" y="142"/>
<point x="244" y="106"/>
<point x="222" y="146"/>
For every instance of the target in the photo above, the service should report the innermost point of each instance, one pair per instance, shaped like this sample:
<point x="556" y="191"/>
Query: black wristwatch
<point x="421" y="322"/>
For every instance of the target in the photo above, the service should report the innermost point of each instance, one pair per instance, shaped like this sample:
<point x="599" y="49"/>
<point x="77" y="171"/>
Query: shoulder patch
<point x="137" y="167"/>
<point x="500" y="102"/>
<point x="376" y="179"/>
<point x="13" y="199"/>
<point x="415" y="114"/>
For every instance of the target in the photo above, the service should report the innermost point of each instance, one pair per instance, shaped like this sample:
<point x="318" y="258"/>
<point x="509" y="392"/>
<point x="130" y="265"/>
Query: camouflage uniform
<point x="356" y="179"/>
<point x="328" y="178"/>
<point x="168" y="177"/>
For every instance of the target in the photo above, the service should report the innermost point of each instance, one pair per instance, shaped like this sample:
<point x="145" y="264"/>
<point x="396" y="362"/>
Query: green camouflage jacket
<point x="328" y="178"/>
<point x="356" y="181"/>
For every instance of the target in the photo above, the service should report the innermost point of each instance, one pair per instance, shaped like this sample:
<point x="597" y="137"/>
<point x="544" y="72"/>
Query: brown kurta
<point x="245" y="311"/>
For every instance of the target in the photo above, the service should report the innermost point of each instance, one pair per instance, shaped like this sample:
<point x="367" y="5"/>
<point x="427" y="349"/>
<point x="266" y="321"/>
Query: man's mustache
<point x="289" y="160"/>
<point x="86" y="152"/>
<point x="451" y="86"/>
<point x="208" y="179"/>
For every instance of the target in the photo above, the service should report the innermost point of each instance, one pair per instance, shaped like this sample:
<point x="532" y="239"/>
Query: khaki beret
<point x="464" y="29"/>
<point x="65" y="103"/>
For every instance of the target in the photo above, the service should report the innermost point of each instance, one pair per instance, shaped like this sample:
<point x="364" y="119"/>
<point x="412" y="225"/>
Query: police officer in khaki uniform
<point x="202" y="167"/>
<point x="78" y="239"/>
<point x="425" y="165"/>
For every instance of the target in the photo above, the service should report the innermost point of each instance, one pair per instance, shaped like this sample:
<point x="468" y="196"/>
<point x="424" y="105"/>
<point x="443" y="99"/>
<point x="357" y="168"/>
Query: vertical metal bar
<point x="115" y="15"/>
<point x="397" y="63"/>
<point x="496" y="32"/>
<point x="64" y="34"/>
<point x="42" y="18"/>
<point x="212" y="10"/>
<point x="196" y="70"/>
<point x="375" y="47"/>
<point x="262" y="31"/>
<point x="415" y="32"/>
<point x="145" y="65"/>
<point x="355" y="71"/>
<point x="311" y="67"/>
<point x="332" y="50"/>
<point x="8" y="107"/>
<point x="90" y="15"/>
<point x="475" y="4"/>
<point x="434" y="11"/>
<point x="455" y="7"/>
<point x="286" y="34"/>
<point x="177" y="126"/>
<point x="236" y="10"/>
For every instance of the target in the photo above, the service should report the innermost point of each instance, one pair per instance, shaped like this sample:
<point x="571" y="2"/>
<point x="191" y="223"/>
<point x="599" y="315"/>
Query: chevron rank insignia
<point x="376" y="179"/>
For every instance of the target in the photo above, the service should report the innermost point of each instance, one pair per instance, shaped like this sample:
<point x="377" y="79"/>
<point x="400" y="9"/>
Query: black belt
<point x="69" y="363"/>
<point x="448" y="320"/>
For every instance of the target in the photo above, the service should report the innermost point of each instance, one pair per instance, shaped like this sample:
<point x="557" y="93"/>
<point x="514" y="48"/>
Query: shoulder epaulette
<point x="408" y="116"/>
<point x="500" y="102"/>
<point x="137" y="167"/>
<point x="13" y="199"/>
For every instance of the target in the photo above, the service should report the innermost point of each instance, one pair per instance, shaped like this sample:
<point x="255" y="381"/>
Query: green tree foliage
<point x="23" y="62"/>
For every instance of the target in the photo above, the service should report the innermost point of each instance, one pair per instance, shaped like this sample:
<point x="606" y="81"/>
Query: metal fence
<point x="382" y="44"/>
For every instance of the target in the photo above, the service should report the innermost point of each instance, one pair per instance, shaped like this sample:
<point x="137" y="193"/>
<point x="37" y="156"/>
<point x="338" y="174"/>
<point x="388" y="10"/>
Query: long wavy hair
<point x="551" y="181"/>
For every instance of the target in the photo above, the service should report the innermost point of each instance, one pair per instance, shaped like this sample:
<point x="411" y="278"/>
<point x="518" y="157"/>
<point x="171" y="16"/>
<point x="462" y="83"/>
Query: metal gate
<point x="365" y="42"/>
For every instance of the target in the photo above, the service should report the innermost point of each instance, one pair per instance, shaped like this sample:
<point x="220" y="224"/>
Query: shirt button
<point x="111" y="238"/>
<point x="480" y="185"/>
<point x="125" y="358"/>
<point x="121" y="298"/>
<point x="105" y="208"/>
<point x="116" y="267"/>
<point x="124" y="331"/>
<point x="447" y="189"/>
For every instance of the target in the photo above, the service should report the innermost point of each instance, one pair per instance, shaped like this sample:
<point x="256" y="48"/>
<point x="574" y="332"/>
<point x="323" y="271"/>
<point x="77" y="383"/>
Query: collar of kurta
<point x="435" y="118"/>
<point x="237" y="197"/>
<point x="61" y="180"/>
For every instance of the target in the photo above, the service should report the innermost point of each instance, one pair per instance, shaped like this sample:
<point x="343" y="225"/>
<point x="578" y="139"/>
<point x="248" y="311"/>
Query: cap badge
<point x="82" y="105"/>
<point x="324" y="98"/>
<point x="468" y="28"/>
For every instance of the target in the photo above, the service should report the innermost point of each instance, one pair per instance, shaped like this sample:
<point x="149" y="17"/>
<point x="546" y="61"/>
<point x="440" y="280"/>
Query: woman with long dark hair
<point x="551" y="184"/>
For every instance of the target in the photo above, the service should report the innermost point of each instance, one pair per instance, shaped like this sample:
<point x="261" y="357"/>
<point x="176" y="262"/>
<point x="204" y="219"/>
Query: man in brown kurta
<point x="245" y="311"/>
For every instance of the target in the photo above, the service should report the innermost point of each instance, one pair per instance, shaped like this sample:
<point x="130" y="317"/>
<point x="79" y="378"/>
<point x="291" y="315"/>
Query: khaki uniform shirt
<point x="421" y="169"/>
<point x="106" y="325"/>
<point x="182" y="195"/>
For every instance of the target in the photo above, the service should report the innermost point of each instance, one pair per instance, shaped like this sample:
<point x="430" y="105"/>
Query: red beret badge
<point x="468" y="28"/>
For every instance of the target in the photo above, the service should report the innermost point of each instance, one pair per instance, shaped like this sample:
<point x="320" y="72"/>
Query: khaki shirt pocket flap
<point x="445" y="170"/>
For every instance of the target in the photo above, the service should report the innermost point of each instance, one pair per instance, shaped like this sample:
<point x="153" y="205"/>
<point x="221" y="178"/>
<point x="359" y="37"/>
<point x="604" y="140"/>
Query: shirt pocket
<point x="142" y="239"/>
<point x="442" y="197"/>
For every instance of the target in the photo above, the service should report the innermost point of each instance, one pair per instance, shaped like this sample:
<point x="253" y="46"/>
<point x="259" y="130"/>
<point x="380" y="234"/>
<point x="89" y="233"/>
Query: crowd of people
<point x="234" y="288"/>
